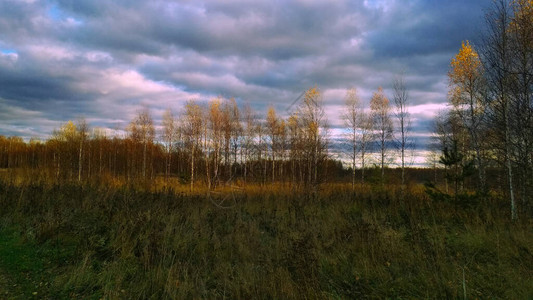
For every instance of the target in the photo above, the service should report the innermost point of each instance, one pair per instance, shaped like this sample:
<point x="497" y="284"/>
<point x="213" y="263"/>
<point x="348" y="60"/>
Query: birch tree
<point x="248" y="138"/>
<point x="521" y="31"/>
<point x="282" y="146"/>
<point x="352" y="118"/>
<point x="295" y="142"/>
<point x="193" y="127"/>
<point x="168" y="135"/>
<point x="380" y="110"/>
<point x="467" y="94"/>
<point x="401" y="101"/>
<point x="142" y="128"/>
<point x="82" y="132"/>
<point x="218" y="135"/>
<point x="272" y="124"/>
<point x="497" y="62"/>
<point x="236" y="129"/>
<point x="366" y="128"/>
<point x="314" y="125"/>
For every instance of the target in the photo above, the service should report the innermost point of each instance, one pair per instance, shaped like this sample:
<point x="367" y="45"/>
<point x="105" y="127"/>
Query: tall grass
<point x="270" y="242"/>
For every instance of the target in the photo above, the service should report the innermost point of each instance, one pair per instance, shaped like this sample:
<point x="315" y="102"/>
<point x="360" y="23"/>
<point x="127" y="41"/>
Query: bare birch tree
<point x="82" y="132"/>
<point x="193" y="128"/>
<point x="248" y="138"/>
<point x="236" y="130"/>
<point x="496" y="58"/>
<point x="521" y="32"/>
<point x="366" y="128"/>
<point x="401" y="101"/>
<point x="168" y="135"/>
<point x="352" y="118"/>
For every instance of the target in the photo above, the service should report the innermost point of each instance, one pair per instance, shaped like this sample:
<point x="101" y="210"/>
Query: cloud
<point x="106" y="59"/>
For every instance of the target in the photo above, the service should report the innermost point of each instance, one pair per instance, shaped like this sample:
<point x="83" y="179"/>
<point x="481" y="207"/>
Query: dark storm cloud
<point x="60" y="59"/>
<point x="277" y="31"/>
<point x="427" y="27"/>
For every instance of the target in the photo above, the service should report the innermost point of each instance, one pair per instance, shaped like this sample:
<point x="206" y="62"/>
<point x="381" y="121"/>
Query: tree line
<point x="216" y="143"/>
<point x="490" y="123"/>
<point x="487" y="132"/>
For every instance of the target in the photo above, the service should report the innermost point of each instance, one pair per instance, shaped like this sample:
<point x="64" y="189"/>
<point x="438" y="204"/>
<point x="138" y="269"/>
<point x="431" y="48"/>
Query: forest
<point x="218" y="201"/>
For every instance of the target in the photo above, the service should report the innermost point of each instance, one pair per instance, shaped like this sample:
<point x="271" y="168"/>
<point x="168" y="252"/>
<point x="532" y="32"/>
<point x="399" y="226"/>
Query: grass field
<point x="73" y="241"/>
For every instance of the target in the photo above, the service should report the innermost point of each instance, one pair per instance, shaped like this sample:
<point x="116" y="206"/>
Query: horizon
<point x="61" y="60"/>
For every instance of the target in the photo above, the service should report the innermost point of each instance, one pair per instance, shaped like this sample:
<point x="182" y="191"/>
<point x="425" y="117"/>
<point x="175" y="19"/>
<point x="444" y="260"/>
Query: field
<point x="130" y="242"/>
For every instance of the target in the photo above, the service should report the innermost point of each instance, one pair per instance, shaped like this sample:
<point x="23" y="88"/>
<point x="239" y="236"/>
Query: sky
<point x="106" y="60"/>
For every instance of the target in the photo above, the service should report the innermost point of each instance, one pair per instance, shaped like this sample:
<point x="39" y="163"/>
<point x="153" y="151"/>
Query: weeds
<point x="141" y="243"/>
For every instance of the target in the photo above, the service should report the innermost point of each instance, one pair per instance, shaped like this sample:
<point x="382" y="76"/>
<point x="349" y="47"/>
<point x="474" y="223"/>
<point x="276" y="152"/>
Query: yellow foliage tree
<point x="380" y="109"/>
<point x="466" y="70"/>
<point x="67" y="132"/>
<point x="314" y="125"/>
<point x="272" y="123"/>
<point x="467" y="89"/>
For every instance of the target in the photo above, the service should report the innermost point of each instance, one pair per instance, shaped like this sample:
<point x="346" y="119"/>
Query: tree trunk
<point x="144" y="160"/>
<point x="383" y="159"/>
<point x="273" y="167"/>
<point x="363" y="165"/>
<point x="192" y="168"/>
<point x="353" y="166"/>
<point x="80" y="155"/>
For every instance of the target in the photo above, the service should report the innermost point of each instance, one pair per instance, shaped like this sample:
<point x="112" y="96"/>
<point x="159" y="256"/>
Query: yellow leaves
<point x="216" y="117"/>
<point x="466" y="79"/>
<point x="67" y="131"/>
<point x="271" y="118"/>
<point x="351" y="99"/>
<point x="214" y="107"/>
<point x="523" y="12"/>
<point x="521" y="25"/>
<point x="282" y="128"/>
<point x="467" y="84"/>
<point x="273" y="123"/>
<point x="465" y="66"/>
<point x="293" y="124"/>
<point x="313" y="128"/>
<point x="68" y="128"/>
<point x="312" y="93"/>
<point x="379" y="102"/>
<point x="312" y="97"/>
<point x="193" y="112"/>
<point x="293" y="120"/>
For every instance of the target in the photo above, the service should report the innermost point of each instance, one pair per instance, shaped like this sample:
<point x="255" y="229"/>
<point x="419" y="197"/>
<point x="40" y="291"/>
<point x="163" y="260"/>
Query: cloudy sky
<point x="104" y="60"/>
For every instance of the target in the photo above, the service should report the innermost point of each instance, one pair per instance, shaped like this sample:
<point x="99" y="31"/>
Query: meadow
<point x="203" y="163"/>
<point x="126" y="241"/>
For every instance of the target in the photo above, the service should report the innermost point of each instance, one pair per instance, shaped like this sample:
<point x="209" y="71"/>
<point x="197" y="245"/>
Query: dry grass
<point x="274" y="241"/>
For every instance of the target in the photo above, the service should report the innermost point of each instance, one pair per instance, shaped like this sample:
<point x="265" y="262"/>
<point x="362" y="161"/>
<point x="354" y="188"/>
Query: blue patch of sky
<point x="55" y="13"/>
<point x="8" y="51"/>
<point x="374" y="4"/>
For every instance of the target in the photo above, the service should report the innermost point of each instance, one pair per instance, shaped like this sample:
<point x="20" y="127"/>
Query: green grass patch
<point x="29" y="269"/>
<point x="25" y="266"/>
